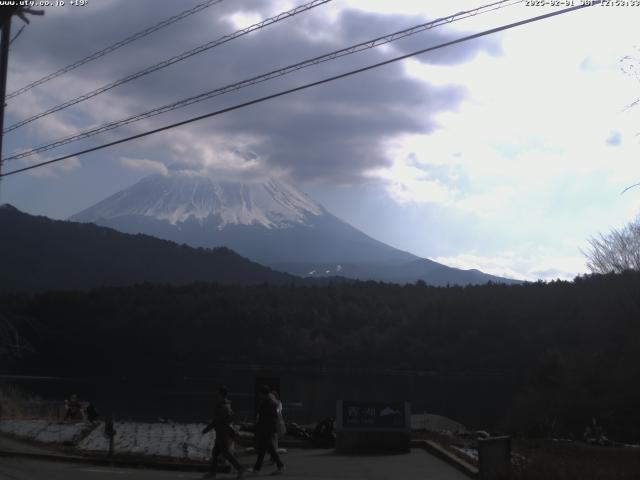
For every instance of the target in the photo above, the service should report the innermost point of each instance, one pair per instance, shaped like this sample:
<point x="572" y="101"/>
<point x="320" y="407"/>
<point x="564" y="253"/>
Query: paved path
<point x="22" y="469"/>
<point x="301" y="464"/>
<point x="8" y="444"/>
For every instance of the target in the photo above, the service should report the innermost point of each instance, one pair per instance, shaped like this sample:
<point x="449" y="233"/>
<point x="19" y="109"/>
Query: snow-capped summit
<point x="269" y="222"/>
<point x="179" y="196"/>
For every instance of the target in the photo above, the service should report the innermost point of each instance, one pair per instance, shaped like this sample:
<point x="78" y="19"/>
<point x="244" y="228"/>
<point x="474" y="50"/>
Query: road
<point x="301" y="464"/>
<point x="24" y="469"/>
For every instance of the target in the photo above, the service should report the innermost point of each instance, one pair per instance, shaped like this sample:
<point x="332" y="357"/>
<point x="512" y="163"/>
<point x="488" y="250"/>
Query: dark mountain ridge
<point x="44" y="254"/>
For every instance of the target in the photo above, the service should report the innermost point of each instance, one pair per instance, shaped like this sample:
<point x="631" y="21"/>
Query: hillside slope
<point x="44" y="254"/>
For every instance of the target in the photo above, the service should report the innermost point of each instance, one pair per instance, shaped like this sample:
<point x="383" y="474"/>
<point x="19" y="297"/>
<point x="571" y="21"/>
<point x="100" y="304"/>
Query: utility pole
<point x="4" y="63"/>
<point x="6" y="13"/>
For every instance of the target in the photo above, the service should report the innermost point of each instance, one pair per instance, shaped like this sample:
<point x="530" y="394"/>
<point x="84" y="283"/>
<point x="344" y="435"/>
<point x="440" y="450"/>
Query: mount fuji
<point x="270" y="222"/>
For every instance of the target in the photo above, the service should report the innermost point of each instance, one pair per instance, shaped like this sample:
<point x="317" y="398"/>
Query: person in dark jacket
<point x="224" y="434"/>
<point x="74" y="408"/>
<point x="266" y="429"/>
<point x="91" y="413"/>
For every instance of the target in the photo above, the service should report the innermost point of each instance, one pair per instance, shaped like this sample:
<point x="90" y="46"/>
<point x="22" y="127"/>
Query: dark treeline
<point x="574" y="347"/>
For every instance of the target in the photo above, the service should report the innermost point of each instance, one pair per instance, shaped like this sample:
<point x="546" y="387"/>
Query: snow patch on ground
<point x="153" y="439"/>
<point x="181" y="441"/>
<point x="435" y="423"/>
<point x="469" y="452"/>
<point x="44" y="431"/>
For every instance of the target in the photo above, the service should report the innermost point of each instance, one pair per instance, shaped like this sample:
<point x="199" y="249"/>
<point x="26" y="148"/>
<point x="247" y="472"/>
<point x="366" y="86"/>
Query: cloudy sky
<point x="505" y="153"/>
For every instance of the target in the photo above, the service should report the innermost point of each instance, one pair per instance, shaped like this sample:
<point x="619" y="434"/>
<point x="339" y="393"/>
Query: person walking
<point x="224" y="434"/>
<point x="281" y="429"/>
<point x="74" y="408"/>
<point x="266" y="430"/>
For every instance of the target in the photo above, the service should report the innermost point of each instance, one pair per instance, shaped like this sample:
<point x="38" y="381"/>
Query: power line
<point x="17" y="35"/>
<point x="265" y="77"/>
<point x="306" y="86"/>
<point x="630" y="187"/>
<point x="115" y="46"/>
<point x="171" y="61"/>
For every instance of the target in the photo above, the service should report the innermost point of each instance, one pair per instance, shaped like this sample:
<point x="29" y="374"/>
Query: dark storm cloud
<point x="332" y="132"/>
<point x="338" y="134"/>
<point x="65" y="35"/>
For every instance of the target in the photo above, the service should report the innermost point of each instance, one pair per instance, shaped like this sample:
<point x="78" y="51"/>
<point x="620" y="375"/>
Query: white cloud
<point x="243" y="19"/>
<point x="144" y="165"/>
<point x="409" y="184"/>
<point x="529" y="151"/>
<point x="233" y="157"/>
<point x="528" y="263"/>
<point x="52" y="170"/>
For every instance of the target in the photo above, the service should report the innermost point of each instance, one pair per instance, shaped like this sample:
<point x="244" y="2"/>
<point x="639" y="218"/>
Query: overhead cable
<point x="369" y="44"/>
<point x="171" y="61"/>
<point x="115" y="46"/>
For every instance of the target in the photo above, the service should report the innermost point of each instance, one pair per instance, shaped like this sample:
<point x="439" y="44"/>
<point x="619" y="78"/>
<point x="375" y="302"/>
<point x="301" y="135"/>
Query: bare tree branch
<point x="616" y="251"/>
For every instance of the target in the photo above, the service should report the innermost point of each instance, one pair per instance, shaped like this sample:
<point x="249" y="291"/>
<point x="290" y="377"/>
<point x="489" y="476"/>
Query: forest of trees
<point x="572" y="346"/>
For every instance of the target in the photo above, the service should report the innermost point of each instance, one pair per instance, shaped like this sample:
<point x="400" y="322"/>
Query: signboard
<point x="374" y="415"/>
<point x="373" y="426"/>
